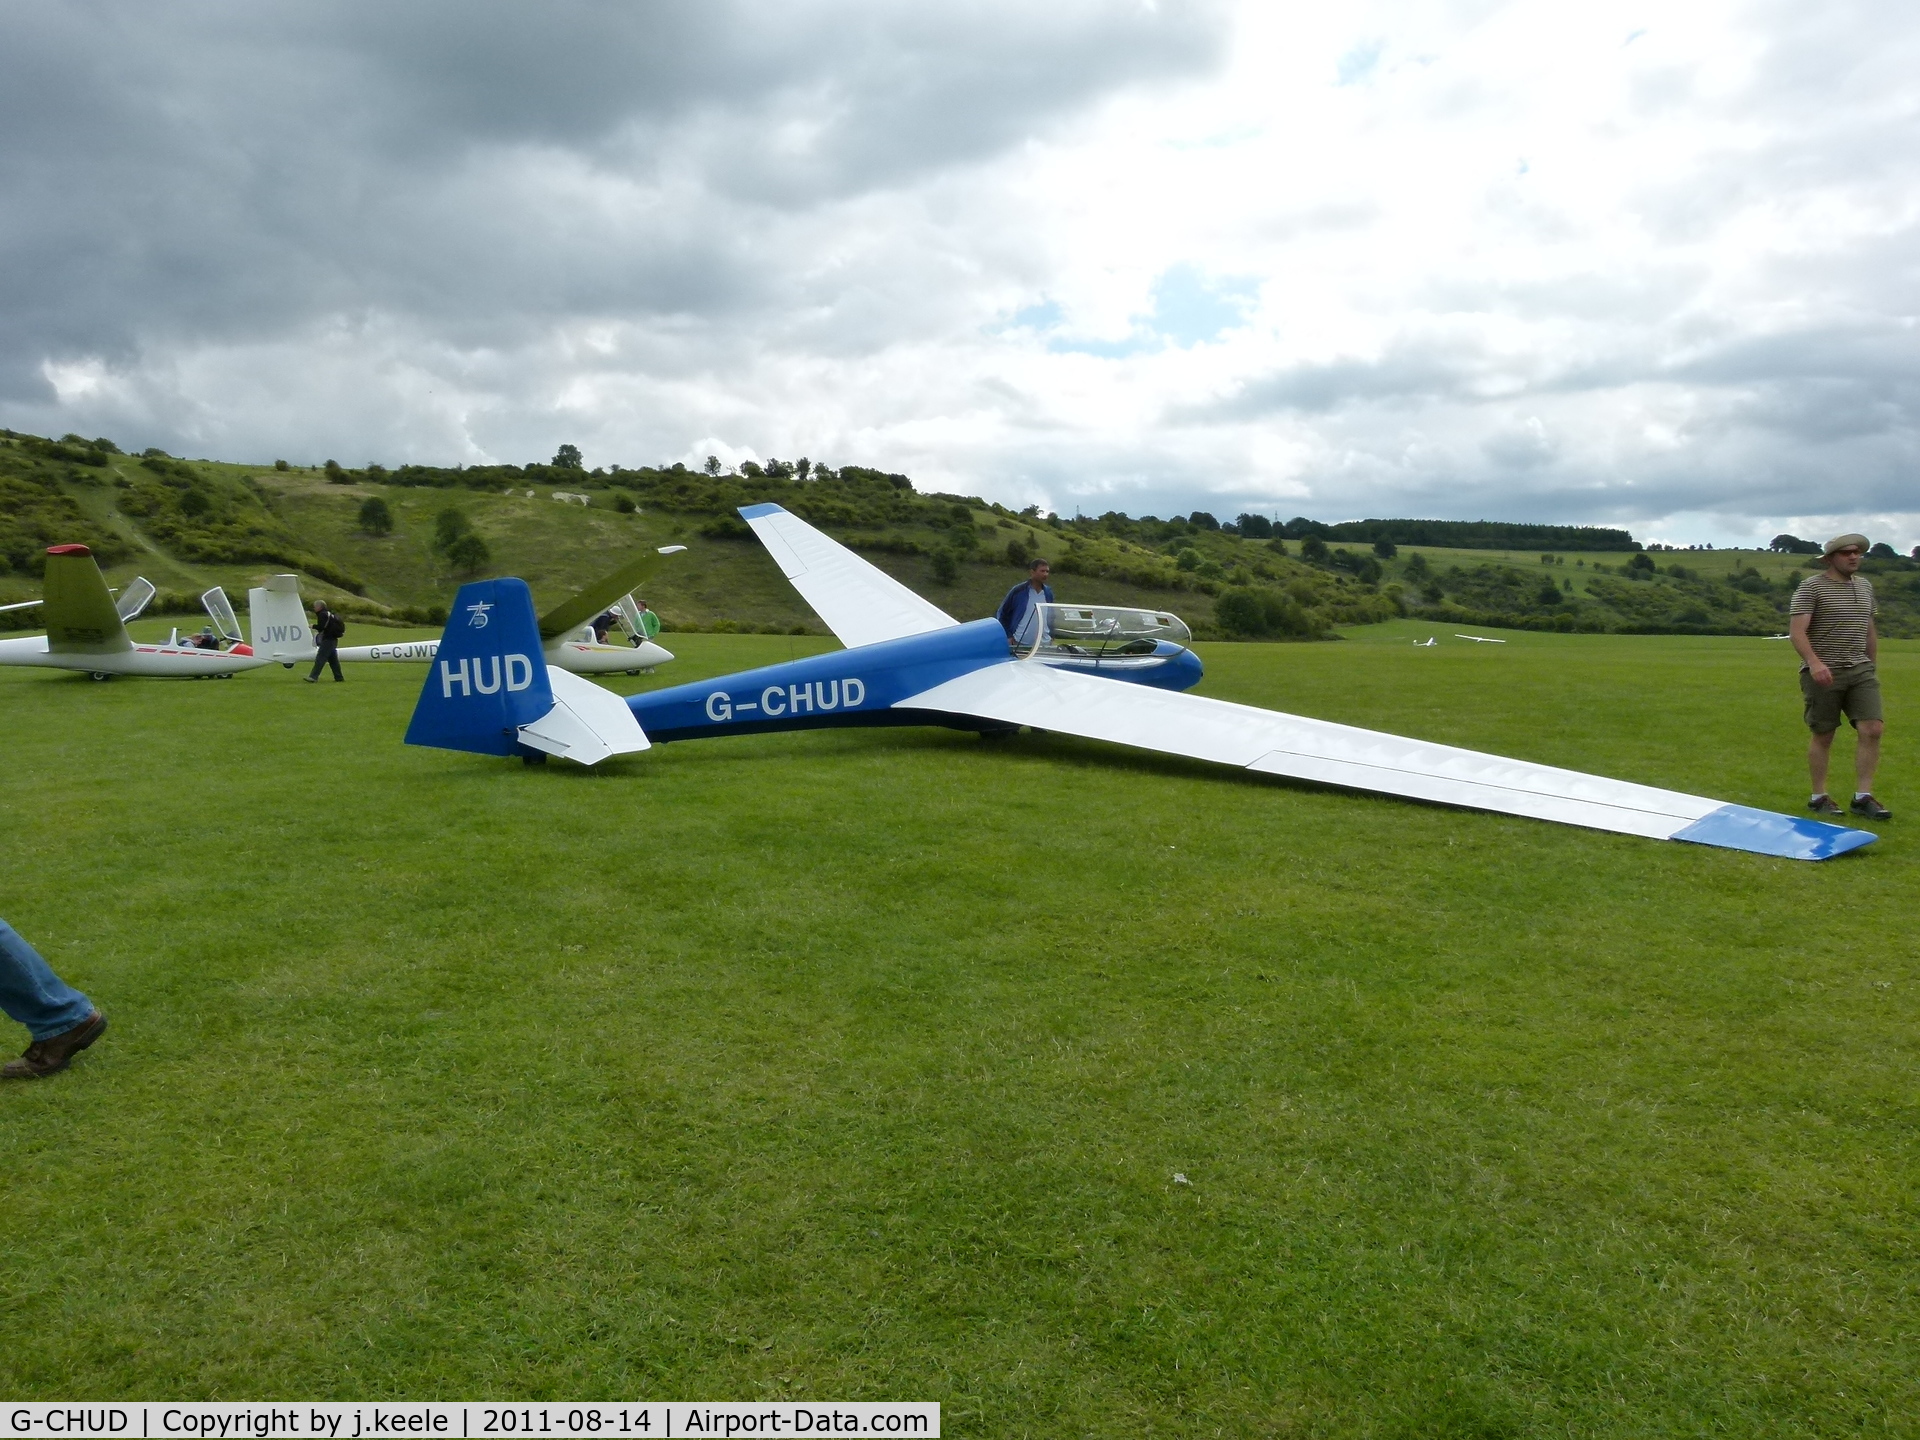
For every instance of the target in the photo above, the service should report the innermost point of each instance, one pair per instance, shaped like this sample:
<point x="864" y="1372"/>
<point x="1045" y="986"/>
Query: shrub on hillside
<point x="1256" y="614"/>
<point x="469" y="554"/>
<point x="375" y="517"/>
<point x="448" y="526"/>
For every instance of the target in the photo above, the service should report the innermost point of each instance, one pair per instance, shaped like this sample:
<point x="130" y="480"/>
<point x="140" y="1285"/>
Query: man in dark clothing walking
<point x="327" y="630"/>
<point x="1024" y="624"/>
<point x="61" y="1020"/>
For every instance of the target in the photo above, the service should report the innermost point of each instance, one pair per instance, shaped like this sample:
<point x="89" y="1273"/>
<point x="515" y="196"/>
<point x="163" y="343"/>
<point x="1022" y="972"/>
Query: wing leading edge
<point x="861" y="603"/>
<point x="1274" y="743"/>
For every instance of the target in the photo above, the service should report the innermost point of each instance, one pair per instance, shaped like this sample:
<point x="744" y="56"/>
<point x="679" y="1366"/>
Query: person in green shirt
<point x="1831" y="625"/>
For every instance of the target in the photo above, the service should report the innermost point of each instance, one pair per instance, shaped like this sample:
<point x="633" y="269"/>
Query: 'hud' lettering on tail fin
<point x="489" y="677"/>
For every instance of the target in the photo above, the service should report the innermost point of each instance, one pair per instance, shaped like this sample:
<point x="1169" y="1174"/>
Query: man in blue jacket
<point x="62" y="1021"/>
<point x="1018" y="617"/>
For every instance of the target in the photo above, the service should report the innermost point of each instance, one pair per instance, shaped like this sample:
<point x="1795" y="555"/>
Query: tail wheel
<point x="98" y="675"/>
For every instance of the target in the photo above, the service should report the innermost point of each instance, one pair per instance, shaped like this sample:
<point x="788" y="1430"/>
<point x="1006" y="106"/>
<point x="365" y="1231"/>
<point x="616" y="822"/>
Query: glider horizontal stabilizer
<point x="586" y="723"/>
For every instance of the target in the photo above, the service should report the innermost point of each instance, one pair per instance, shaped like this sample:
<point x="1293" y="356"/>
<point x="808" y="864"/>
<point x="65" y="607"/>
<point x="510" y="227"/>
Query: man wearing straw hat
<point x="1831" y="625"/>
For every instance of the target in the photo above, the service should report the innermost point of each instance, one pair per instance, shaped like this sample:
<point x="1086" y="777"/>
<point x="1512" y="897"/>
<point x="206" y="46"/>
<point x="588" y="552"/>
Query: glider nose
<point x="1182" y="668"/>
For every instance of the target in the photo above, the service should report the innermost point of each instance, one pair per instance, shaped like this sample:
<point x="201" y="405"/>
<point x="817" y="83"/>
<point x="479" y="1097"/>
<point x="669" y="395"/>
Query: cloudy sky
<point x="1630" y="263"/>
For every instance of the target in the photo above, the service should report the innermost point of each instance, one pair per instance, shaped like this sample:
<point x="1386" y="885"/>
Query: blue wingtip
<point x="1737" y="827"/>
<point x="754" y="512"/>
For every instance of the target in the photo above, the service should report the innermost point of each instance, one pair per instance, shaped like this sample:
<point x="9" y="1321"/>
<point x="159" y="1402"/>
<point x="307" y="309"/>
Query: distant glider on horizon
<point x="910" y="663"/>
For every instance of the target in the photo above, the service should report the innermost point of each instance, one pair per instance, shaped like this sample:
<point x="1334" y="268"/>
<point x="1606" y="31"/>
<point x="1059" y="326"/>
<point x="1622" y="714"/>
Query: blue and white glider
<point x="910" y="663"/>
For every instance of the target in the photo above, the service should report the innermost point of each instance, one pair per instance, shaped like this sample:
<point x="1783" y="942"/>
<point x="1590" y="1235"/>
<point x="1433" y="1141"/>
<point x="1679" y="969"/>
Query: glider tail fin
<point x="489" y="689"/>
<point x="81" y="619"/>
<point x="279" y="620"/>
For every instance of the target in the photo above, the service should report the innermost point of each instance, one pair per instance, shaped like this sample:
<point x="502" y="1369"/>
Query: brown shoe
<point x="50" y="1056"/>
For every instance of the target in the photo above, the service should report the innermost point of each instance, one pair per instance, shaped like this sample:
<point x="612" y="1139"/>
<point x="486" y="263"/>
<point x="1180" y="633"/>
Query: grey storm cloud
<point x="225" y="170"/>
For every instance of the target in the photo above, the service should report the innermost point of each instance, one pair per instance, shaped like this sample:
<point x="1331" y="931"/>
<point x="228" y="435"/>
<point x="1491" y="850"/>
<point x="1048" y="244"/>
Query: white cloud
<point x="1644" y="265"/>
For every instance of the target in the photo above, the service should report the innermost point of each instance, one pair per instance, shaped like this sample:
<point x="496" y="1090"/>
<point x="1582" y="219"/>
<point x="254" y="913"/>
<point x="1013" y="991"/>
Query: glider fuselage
<point x="576" y="656"/>
<point x="862" y="686"/>
<point x="178" y="662"/>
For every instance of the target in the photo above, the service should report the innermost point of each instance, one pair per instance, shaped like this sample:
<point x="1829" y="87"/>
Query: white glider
<point x="87" y="629"/>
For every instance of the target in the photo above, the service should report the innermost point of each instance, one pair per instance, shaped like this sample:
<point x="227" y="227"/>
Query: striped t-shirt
<point x="1841" y="611"/>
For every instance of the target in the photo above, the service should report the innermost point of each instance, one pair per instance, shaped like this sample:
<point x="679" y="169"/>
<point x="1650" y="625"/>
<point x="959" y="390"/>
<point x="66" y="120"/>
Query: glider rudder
<point x="77" y="607"/>
<point x="279" y="620"/>
<point x="490" y="675"/>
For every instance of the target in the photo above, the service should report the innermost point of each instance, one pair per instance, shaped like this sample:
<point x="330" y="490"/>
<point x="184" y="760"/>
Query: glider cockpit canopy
<point x="131" y="601"/>
<point x="220" y="611"/>
<point x="1103" y="630"/>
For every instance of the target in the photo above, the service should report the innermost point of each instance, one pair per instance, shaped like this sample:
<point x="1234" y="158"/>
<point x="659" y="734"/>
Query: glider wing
<point x="1020" y="693"/>
<point x="861" y="603"/>
<point x="607" y="590"/>
<point x="81" y="619"/>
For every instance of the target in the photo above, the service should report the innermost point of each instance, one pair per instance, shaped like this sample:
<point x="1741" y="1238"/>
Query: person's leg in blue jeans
<point x="61" y="1020"/>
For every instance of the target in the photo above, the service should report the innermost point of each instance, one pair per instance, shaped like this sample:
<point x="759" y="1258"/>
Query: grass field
<point x="863" y="1065"/>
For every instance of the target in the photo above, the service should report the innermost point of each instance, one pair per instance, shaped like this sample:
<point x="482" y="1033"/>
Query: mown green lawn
<point x="866" y="1065"/>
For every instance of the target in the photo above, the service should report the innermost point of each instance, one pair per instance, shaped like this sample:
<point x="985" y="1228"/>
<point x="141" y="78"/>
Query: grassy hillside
<point x="187" y="525"/>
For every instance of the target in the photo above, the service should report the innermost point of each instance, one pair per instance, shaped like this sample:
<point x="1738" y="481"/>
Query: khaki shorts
<point x="1855" y="692"/>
